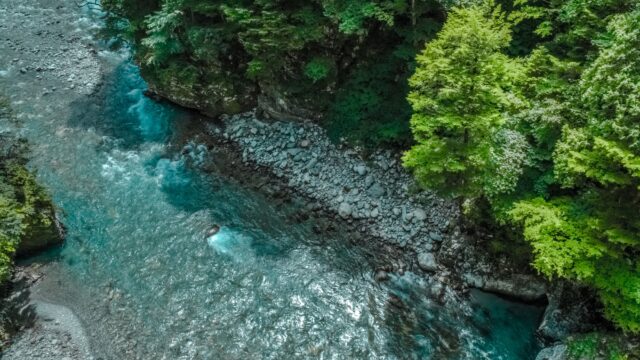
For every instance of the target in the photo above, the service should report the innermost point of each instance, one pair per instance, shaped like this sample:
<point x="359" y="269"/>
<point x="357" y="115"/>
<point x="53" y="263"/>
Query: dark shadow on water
<point x="505" y="329"/>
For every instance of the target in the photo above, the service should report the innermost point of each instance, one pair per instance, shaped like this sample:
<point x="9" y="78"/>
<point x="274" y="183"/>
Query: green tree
<point x="462" y="91"/>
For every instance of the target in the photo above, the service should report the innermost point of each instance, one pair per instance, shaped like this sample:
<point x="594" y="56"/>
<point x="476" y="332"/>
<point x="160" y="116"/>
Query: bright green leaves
<point x="571" y="241"/>
<point x="618" y="284"/>
<point x="579" y="155"/>
<point x="597" y="159"/>
<point x="552" y="141"/>
<point x="561" y="237"/>
<point x="462" y="91"/>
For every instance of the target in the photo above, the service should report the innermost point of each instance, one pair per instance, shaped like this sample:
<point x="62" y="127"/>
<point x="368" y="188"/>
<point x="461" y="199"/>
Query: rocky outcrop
<point x="556" y="352"/>
<point x="42" y="235"/>
<point x="526" y="287"/>
<point x="572" y="309"/>
<point x="211" y="99"/>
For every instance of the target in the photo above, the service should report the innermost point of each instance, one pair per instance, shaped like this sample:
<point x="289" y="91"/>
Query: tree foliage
<point x="461" y="94"/>
<point x="308" y="53"/>
<point x="570" y="151"/>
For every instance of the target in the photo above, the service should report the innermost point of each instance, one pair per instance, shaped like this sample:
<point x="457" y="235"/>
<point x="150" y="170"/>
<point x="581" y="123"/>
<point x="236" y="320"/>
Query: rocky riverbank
<point x="380" y="203"/>
<point x="378" y="198"/>
<point x="50" y="331"/>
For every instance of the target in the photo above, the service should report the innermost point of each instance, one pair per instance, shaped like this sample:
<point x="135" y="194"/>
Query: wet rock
<point x="427" y="261"/>
<point x="41" y="236"/>
<point x="381" y="276"/>
<point x="521" y="286"/>
<point x="571" y="309"/>
<point x="556" y="352"/>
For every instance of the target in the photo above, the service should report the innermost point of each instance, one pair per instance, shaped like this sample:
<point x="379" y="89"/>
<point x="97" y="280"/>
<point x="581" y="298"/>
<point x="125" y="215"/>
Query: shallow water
<point x="141" y="274"/>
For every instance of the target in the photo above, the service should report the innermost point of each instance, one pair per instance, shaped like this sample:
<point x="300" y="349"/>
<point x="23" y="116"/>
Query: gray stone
<point x="473" y="280"/>
<point x="368" y="181"/>
<point x="305" y="143"/>
<point x="375" y="213"/>
<point x="360" y="169"/>
<point x="435" y="236"/>
<point x="344" y="210"/>
<point x="556" y="352"/>
<point x="427" y="261"/>
<point x="376" y="191"/>
<point x="419" y="214"/>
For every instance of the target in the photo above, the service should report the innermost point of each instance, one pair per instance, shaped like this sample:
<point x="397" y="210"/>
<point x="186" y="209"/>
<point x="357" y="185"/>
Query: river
<point x="139" y="188"/>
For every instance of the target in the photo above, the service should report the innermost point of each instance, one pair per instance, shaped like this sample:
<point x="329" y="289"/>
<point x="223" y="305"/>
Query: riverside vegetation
<point x="527" y="112"/>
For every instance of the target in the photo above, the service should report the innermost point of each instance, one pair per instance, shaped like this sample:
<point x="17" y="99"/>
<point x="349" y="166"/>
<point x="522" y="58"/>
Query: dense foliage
<point x="550" y="140"/>
<point x="344" y="60"/>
